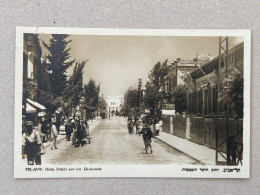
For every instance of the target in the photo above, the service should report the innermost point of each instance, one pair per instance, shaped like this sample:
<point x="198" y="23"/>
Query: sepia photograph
<point x="132" y="103"/>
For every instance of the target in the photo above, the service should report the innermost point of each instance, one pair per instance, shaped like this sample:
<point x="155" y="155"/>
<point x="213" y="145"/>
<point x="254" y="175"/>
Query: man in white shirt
<point x="54" y="134"/>
<point x="157" y="128"/>
<point x="32" y="144"/>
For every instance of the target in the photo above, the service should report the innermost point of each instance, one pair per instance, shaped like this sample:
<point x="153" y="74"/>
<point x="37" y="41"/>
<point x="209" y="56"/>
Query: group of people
<point x="148" y="128"/>
<point x="31" y="144"/>
<point x="33" y="137"/>
<point x="76" y="130"/>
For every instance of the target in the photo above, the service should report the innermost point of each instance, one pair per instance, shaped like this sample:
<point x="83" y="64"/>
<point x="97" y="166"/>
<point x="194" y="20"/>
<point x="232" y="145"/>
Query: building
<point x="114" y="104"/>
<point x="177" y="75"/>
<point x="200" y="123"/>
<point x="179" y="69"/>
<point x="202" y="82"/>
<point x="32" y="54"/>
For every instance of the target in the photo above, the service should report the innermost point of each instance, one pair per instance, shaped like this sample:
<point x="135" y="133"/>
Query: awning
<point x="36" y="104"/>
<point x="41" y="114"/>
<point x="30" y="109"/>
<point x="146" y="111"/>
<point x="58" y="110"/>
<point x="168" y="112"/>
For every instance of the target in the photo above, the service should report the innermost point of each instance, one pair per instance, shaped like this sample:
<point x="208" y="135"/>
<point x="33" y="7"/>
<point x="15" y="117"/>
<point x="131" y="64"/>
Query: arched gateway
<point x="114" y="104"/>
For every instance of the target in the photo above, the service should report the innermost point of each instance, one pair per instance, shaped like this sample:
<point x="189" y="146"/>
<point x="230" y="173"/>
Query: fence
<point x="203" y="131"/>
<point x="166" y="124"/>
<point x="179" y="126"/>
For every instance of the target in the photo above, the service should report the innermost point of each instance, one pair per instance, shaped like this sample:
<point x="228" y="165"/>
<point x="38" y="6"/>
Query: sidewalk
<point x="198" y="152"/>
<point x="92" y="126"/>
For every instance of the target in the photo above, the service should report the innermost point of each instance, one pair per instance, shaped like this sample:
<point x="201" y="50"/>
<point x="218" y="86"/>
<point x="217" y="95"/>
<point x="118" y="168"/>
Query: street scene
<point x="103" y="99"/>
<point x="112" y="144"/>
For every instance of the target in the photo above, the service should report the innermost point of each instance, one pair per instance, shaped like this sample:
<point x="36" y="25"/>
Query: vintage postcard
<point x="132" y="103"/>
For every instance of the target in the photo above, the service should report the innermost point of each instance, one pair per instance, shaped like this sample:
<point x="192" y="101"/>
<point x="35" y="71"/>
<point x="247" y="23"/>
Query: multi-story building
<point x="114" y="104"/>
<point x="32" y="54"/>
<point x="202" y="102"/>
<point x="31" y="72"/>
<point x="202" y="82"/>
<point x="177" y="75"/>
<point x="179" y="69"/>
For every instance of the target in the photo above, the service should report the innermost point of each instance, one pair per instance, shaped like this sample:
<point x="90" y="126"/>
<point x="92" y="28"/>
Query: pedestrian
<point x="79" y="134"/>
<point x="147" y="137"/>
<point x="68" y="129"/>
<point x="84" y="131"/>
<point x="152" y="127"/>
<point x="32" y="144"/>
<point x="74" y="132"/>
<point x="87" y="128"/>
<point x="161" y="125"/>
<point x="54" y="135"/>
<point x="157" y="128"/>
<point x="131" y="126"/>
<point x="48" y="136"/>
<point x="58" y="125"/>
<point x="139" y="127"/>
<point x="128" y="124"/>
<point x="44" y="130"/>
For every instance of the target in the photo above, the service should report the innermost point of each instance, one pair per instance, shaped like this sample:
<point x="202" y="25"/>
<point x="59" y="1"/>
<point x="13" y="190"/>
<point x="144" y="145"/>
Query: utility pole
<point x="139" y="89"/>
<point x="223" y="46"/>
<point x="195" y="86"/>
<point x="140" y="92"/>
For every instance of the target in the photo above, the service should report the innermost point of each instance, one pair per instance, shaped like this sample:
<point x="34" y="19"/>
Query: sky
<point x="117" y="62"/>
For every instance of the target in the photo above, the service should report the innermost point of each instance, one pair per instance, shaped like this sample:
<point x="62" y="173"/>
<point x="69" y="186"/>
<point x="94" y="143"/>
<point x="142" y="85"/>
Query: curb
<point x="199" y="161"/>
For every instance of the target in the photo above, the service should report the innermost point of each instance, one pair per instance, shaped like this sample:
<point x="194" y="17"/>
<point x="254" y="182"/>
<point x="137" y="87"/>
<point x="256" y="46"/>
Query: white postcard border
<point x="93" y="170"/>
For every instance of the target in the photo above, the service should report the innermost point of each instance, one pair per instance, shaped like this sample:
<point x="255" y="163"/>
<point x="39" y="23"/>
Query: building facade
<point x="202" y="101"/>
<point x="114" y="104"/>
<point x="32" y="54"/>
<point x="178" y="71"/>
<point x="177" y="75"/>
<point x="200" y="123"/>
<point x="202" y="82"/>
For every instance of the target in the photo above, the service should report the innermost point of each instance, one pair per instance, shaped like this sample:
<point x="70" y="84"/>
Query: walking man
<point x="32" y="144"/>
<point x="68" y="129"/>
<point x="147" y="137"/>
<point x="157" y="128"/>
<point x="54" y="134"/>
<point x="44" y="130"/>
<point x="79" y="135"/>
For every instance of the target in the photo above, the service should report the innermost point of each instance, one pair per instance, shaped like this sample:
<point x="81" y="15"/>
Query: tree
<point x="154" y="94"/>
<point x="74" y="89"/>
<point x="180" y="98"/>
<point x="232" y="92"/>
<point x="45" y="96"/>
<point x="59" y="62"/>
<point x="157" y="74"/>
<point x="151" y="98"/>
<point x="130" y="101"/>
<point x="102" y="106"/>
<point x="91" y="94"/>
<point x="102" y="103"/>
